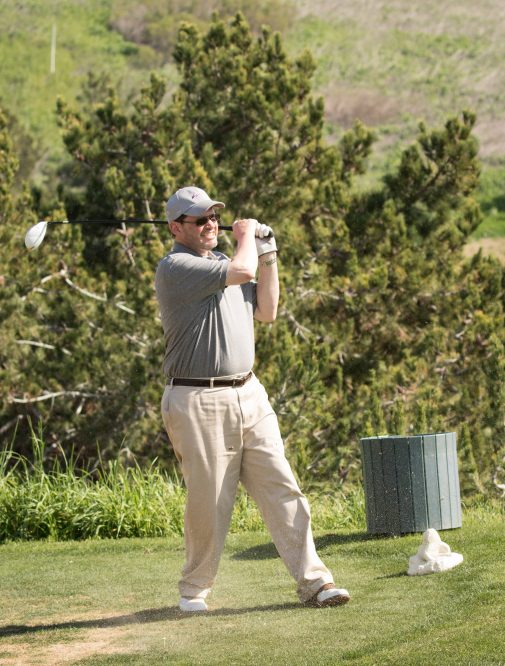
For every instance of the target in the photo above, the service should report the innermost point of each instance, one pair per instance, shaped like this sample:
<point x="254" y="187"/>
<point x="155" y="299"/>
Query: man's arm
<point x="243" y="266"/>
<point x="267" y="289"/>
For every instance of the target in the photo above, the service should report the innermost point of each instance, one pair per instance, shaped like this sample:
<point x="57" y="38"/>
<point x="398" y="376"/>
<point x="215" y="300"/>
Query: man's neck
<point x="199" y="252"/>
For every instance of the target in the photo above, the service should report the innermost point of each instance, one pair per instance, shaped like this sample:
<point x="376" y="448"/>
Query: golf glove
<point x="264" y="237"/>
<point x="262" y="230"/>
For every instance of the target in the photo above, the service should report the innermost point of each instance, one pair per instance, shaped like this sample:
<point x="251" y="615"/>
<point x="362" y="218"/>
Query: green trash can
<point x="411" y="483"/>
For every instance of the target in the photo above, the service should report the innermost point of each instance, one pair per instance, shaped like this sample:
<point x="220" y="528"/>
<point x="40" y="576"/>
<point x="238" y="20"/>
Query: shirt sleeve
<point x="189" y="278"/>
<point x="249" y="290"/>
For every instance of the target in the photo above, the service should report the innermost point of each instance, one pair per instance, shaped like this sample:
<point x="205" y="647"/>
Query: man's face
<point x="200" y="238"/>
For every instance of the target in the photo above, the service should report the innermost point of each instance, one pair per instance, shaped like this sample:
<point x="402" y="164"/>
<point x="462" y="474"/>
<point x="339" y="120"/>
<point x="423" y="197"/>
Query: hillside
<point x="388" y="62"/>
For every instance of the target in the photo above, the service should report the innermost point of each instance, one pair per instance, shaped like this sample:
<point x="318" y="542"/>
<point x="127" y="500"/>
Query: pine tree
<point x="376" y="299"/>
<point x="421" y="421"/>
<point x="398" y="422"/>
<point x="469" y="476"/>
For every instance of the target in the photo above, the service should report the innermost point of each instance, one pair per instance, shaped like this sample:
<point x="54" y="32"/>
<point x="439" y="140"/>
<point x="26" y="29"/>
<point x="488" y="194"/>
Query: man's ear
<point x="174" y="227"/>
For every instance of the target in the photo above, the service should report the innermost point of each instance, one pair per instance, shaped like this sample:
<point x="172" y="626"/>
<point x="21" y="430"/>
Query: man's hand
<point x="262" y="230"/>
<point x="264" y="237"/>
<point x="243" y="228"/>
<point x="244" y="264"/>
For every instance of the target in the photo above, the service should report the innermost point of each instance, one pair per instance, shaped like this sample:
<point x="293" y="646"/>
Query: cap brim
<point x="202" y="207"/>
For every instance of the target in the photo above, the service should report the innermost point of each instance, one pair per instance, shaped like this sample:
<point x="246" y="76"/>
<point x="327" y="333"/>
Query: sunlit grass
<point x="491" y="197"/>
<point x="100" y="602"/>
<point x="59" y="501"/>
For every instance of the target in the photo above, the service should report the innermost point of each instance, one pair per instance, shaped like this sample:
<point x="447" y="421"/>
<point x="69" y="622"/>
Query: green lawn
<point x="114" y="602"/>
<point x="492" y="200"/>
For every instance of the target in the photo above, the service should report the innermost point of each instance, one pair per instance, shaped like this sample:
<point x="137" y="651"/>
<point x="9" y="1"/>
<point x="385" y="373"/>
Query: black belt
<point x="209" y="383"/>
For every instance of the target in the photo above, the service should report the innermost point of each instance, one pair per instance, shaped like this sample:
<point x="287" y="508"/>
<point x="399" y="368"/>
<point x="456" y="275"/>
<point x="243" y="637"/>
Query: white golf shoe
<point x="194" y="605"/>
<point x="329" y="595"/>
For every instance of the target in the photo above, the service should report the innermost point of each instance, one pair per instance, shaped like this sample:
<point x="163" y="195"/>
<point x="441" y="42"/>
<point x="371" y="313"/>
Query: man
<point x="216" y="412"/>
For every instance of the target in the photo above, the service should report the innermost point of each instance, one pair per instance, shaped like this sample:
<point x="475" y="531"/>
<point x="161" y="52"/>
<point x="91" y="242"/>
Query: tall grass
<point x="61" y="502"/>
<point x="66" y="503"/>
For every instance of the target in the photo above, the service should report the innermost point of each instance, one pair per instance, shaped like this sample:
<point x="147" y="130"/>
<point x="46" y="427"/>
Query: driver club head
<point x="35" y="235"/>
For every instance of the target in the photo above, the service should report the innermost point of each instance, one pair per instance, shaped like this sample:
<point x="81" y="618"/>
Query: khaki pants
<point x="222" y="436"/>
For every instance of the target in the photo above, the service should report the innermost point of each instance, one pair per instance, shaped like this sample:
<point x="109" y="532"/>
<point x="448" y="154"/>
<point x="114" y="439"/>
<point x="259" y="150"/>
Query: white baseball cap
<point x="190" y="201"/>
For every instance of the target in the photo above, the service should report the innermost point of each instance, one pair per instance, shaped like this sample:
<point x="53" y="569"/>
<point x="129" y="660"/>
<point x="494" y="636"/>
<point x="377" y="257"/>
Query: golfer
<point x="216" y="412"/>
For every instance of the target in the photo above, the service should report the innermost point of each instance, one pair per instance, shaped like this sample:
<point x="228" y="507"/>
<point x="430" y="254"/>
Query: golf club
<point x="35" y="235"/>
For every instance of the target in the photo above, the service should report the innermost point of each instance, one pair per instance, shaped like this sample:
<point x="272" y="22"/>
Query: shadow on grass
<point x="169" y="613"/>
<point x="267" y="551"/>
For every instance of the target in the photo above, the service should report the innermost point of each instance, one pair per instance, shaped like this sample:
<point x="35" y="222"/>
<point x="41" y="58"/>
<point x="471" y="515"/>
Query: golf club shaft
<point x="129" y="221"/>
<point x="222" y="227"/>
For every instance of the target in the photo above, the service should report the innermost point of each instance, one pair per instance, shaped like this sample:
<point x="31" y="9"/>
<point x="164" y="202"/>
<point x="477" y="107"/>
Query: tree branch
<point x="34" y="343"/>
<point x="300" y="329"/>
<point x="57" y="394"/>
<point x="11" y="423"/>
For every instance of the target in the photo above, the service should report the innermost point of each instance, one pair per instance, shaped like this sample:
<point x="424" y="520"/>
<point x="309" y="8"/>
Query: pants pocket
<point x="166" y="416"/>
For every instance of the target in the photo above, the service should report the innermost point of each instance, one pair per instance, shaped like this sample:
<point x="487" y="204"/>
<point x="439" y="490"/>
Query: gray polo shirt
<point x="209" y="328"/>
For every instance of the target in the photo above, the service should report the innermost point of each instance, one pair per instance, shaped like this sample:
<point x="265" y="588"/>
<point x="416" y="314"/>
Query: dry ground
<point x="489" y="246"/>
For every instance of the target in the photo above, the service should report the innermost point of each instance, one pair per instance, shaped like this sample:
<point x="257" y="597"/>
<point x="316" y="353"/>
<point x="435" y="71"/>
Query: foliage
<point x="381" y="321"/>
<point x="52" y="497"/>
<point x="8" y="168"/>
<point x="468" y="473"/>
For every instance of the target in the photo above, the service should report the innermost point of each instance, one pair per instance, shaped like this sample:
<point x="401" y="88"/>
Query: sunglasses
<point x="214" y="217"/>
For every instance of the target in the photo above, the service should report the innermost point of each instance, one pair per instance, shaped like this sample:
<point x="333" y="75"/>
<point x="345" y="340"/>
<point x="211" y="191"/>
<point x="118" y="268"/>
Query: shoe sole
<point x="192" y="609"/>
<point x="337" y="600"/>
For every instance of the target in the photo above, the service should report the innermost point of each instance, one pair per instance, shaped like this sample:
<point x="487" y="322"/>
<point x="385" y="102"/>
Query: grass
<point x="114" y="602"/>
<point x="392" y="62"/>
<point x="440" y="55"/>
<point x="84" y="43"/>
<point x="492" y="202"/>
<point x="489" y="237"/>
<point x="410" y="61"/>
<point x="57" y="501"/>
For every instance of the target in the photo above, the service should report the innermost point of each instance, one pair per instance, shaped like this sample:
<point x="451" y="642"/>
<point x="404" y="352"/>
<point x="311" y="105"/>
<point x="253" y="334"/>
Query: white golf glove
<point x="264" y="237"/>
<point x="262" y="230"/>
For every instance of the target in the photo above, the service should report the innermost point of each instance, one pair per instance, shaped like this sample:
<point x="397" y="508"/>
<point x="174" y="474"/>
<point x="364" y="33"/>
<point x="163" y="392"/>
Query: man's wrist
<point x="265" y="246"/>
<point x="268" y="259"/>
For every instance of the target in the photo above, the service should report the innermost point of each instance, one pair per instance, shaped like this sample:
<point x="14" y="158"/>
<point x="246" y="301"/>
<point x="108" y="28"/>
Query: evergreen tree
<point x="468" y="473"/>
<point x="378" y="306"/>
<point x="398" y="419"/>
<point x="421" y="422"/>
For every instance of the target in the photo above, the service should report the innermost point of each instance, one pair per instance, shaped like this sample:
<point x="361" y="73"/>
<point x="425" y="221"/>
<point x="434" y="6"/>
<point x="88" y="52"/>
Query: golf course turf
<point x="115" y="602"/>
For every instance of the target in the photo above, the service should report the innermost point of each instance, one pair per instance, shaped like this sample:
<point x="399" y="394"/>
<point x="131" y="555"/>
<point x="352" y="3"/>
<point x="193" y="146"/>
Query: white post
<point x="52" y="69"/>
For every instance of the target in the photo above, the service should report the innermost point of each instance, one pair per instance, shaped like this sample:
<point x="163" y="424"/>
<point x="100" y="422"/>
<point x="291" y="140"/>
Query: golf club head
<point x="35" y="235"/>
